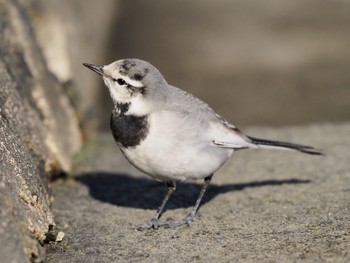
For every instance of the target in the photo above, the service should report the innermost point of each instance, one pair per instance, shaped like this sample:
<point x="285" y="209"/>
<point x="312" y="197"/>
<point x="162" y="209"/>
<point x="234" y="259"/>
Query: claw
<point x="151" y="224"/>
<point x="169" y="223"/>
<point x="186" y="221"/>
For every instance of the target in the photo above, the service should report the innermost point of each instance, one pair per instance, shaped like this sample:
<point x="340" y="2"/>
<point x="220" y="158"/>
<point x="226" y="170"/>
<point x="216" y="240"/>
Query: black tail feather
<point x="286" y="145"/>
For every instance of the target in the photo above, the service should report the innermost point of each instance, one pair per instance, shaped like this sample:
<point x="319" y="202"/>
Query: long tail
<point x="285" y="145"/>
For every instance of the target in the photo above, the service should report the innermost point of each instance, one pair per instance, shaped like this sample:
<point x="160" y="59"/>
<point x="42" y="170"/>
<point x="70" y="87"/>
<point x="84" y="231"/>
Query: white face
<point x="125" y="90"/>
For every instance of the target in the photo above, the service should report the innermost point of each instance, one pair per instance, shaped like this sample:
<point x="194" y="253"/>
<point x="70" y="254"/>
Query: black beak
<point x="95" y="68"/>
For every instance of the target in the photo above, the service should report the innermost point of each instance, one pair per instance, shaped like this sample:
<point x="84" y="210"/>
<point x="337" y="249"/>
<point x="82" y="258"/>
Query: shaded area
<point x="274" y="215"/>
<point x="128" y="191"/>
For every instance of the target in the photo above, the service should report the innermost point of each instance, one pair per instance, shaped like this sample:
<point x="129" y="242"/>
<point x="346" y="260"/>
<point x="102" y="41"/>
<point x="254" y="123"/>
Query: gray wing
<point x="219" y="132"/>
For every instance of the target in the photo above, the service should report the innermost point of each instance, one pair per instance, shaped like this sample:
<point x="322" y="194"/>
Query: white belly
<point x="176" y="152"/>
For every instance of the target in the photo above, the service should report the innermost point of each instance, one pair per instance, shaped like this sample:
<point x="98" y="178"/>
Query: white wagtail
<point x="170" y="134"/>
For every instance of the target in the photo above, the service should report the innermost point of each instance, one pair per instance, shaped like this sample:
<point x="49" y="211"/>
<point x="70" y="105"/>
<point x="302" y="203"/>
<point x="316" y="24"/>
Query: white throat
<point x="138" y="106"/>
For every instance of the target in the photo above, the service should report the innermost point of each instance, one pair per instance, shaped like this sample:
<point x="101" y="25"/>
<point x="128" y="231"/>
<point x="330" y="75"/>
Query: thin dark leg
<point x="171" y="188"/>
<point x="192" y="216"/>
<point x="154" y="222"/>
<point x="199" y="199"/>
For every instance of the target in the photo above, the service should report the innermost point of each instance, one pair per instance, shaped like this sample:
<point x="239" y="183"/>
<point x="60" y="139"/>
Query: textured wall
<point x="39" y="133"/>
<point x="69" y="34"/>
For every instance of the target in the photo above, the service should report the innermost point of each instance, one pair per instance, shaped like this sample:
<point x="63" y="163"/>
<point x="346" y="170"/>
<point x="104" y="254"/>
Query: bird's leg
<point x="154" y="221"/>
<point x="171" y="188"/>
<point x="192" y="216"/>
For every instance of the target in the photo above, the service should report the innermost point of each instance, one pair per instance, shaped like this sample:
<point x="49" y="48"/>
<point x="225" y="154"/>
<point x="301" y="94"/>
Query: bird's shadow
<point x="128" y="191"/>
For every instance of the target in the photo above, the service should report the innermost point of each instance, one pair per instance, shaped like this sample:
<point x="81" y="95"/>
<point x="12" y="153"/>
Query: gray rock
<point x="39" y="134"/>
<point x="262" y="206"/>
<point x="70" y="33"/>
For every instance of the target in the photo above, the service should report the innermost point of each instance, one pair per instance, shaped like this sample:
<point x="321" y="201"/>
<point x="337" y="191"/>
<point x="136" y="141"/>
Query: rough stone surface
<point x="70" y="33"/>
<point x="39" y="133"/>
<point x="262" y="206"/>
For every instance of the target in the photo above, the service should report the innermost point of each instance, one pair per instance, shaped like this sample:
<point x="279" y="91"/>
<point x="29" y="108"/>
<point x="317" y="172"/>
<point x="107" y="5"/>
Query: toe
<point x="151" y="224"/>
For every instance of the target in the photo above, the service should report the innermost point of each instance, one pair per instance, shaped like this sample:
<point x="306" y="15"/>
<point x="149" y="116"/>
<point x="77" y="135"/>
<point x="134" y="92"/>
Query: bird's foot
<point x="155" y="223"/>
<point x="186" y="221"/>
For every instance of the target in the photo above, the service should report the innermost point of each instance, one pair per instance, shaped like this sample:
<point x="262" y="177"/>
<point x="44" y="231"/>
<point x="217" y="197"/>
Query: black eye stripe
<point x="122" y="82"/>
<point x="119" y="81"/>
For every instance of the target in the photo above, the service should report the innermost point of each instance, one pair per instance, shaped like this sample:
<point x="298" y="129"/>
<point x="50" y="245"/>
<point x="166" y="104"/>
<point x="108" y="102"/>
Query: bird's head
<point x="135" y="83"/>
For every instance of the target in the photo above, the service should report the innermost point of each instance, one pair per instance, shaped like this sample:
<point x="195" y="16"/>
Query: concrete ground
<point x="262" y="206"/>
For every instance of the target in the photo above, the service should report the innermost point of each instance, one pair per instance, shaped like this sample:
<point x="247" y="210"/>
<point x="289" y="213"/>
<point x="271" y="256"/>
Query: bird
<point x="169" y="134"/>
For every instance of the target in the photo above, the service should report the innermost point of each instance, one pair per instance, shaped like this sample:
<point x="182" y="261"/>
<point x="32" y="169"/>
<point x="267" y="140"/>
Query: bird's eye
<point x="120" y="81"/>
